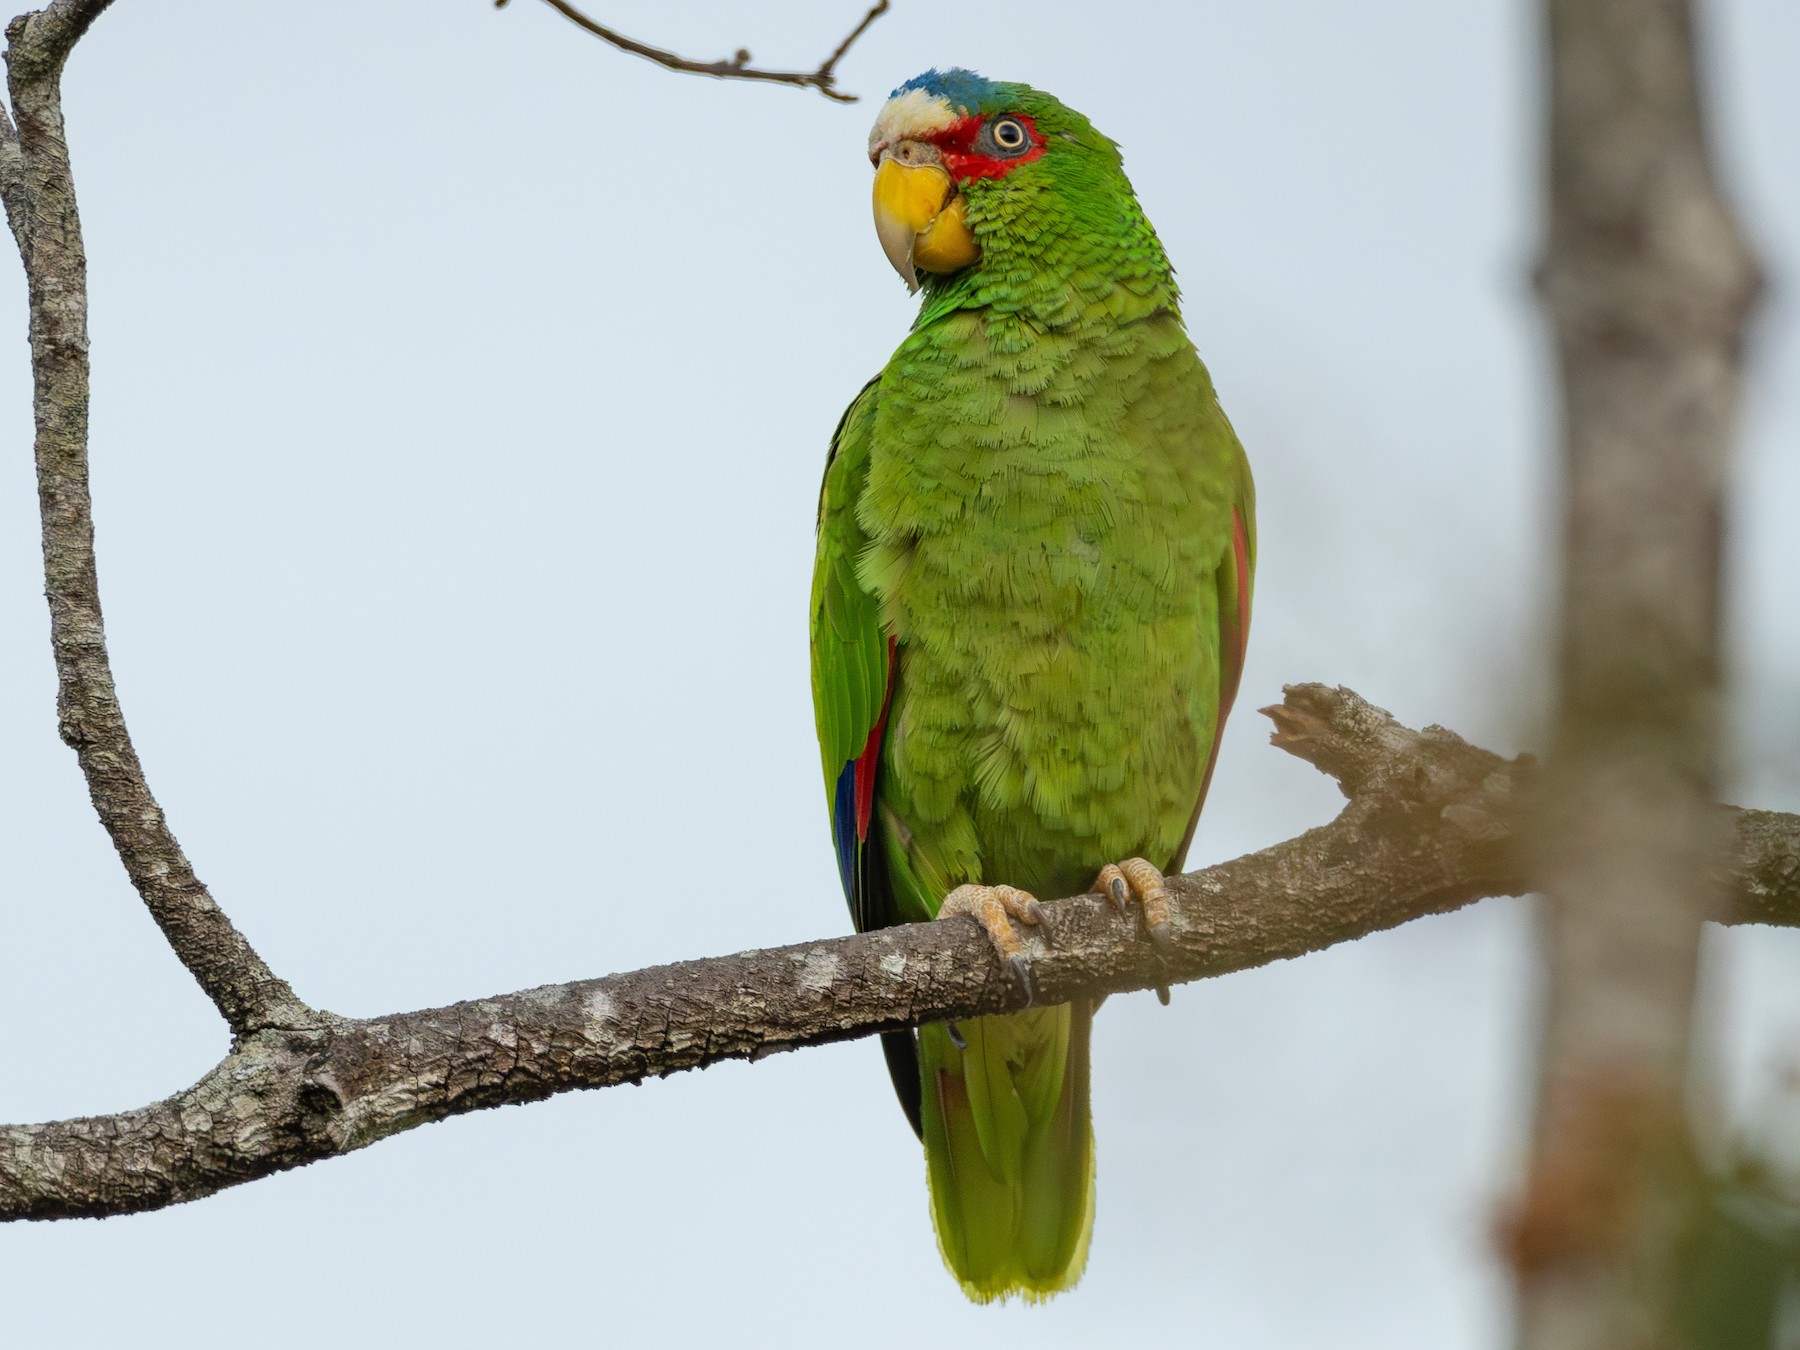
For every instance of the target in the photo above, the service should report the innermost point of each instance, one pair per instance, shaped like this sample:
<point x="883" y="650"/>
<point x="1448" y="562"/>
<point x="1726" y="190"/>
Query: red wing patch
<point x="871" y="755"/>
<point x="1238" y="642"/>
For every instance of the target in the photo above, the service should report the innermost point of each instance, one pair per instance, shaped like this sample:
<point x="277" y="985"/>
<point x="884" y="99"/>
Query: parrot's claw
<point x="1134" y="876"/>
<point x="956" y="1036"/>
<point x="1021" y="969"/>
<point x="996" y="908"/>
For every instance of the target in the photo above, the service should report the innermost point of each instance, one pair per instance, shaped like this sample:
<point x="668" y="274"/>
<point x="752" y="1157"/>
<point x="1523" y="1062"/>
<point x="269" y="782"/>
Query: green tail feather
<point x="1009" y="1150"/>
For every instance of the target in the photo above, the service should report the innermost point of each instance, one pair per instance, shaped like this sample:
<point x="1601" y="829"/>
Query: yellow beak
<point x="919" y="218"/>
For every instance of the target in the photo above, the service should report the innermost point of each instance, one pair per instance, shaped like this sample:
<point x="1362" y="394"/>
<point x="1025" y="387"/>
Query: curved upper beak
<point x="919" y="220"/>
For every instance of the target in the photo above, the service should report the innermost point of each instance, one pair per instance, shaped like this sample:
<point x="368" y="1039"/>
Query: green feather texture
<point x="1041" y="504"/>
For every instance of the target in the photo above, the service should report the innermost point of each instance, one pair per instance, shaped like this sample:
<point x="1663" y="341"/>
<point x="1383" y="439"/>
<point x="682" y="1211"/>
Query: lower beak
<point x="919" y="218"/>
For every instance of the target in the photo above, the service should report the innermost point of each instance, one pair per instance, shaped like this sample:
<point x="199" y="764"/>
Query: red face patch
<point x="967" y="159"/>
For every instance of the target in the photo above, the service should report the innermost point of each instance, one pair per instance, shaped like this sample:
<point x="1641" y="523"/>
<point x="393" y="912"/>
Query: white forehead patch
<point x="910" y="116"/>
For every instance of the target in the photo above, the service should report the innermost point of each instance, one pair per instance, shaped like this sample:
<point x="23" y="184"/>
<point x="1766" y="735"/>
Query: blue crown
<point x="962" y="89"/>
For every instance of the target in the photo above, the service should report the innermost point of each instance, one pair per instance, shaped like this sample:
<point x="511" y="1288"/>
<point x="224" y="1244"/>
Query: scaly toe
<point x="1112" y="884"/>
<point x="1135" y="876"/>
<point x="995" y="908"/>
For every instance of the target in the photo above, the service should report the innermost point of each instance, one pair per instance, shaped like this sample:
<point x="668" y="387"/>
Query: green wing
<point x="851" y="667"/>
<point x="854" y="667"/>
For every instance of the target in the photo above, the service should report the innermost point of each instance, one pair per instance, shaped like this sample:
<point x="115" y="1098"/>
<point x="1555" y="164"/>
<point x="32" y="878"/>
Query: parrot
<point x="1030" y="602"/>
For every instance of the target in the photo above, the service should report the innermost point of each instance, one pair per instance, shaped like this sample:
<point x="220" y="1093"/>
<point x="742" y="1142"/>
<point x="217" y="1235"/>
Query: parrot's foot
<point x="995" y="908"/>
<point x="1120" y="881"/>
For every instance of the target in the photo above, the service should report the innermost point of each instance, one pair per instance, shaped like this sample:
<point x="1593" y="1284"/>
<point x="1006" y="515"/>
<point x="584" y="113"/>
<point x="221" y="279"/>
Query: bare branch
<point x="824" y="79"/>
<point x="1648" y="282"/>
<point x="40" y="206"/>
<point x="843" y="48"/>
<point x="1428" y="828"/>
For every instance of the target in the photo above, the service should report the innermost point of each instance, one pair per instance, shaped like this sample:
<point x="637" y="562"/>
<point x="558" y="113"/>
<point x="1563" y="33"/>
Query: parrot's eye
<point x="1009" y="136"/>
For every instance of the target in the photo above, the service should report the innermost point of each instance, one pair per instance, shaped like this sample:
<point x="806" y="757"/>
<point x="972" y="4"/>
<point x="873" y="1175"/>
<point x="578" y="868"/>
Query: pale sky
<point x="461" y="388"/>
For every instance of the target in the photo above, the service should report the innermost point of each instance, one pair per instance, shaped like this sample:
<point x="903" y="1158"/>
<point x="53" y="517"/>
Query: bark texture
<point x="1648" y="283"/>
<point x="1430" y="826"/>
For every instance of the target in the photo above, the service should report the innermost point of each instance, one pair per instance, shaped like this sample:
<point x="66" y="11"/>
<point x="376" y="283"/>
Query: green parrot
<point x="1029" y="610"/>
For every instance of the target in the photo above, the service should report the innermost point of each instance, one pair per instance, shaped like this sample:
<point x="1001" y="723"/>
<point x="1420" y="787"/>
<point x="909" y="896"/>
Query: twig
<point x="826" y="71"/>
<point x="824" y="79"/>
<point x="1429" y="827"/>
<point x="40" y="206"/>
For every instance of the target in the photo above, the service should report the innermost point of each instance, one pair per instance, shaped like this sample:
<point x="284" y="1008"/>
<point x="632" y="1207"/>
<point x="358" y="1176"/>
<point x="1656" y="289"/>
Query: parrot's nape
<point x="1029" y="610"/>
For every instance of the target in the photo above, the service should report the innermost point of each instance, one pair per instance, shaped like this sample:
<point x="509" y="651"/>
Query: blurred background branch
<point x="1648" y="283"/>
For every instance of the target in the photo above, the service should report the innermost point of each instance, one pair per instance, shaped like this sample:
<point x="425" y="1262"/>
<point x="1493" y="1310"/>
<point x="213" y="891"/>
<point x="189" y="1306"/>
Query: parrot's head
<point x="966" y="166"/>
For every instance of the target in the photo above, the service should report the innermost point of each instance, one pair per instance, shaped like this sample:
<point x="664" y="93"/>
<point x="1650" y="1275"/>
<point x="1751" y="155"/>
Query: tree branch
<point x="1648" y="282"/>
<point x="1429" y="827"/>
<point x="39" y="194"/>
<point x="824" y="79"/>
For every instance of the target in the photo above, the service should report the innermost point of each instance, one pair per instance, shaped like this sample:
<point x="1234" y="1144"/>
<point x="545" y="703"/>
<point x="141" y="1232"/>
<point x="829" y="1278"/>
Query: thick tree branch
<point x="40" y="206"/>
<point x="1429" y="827"/>
<point x="824" y="79"/>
